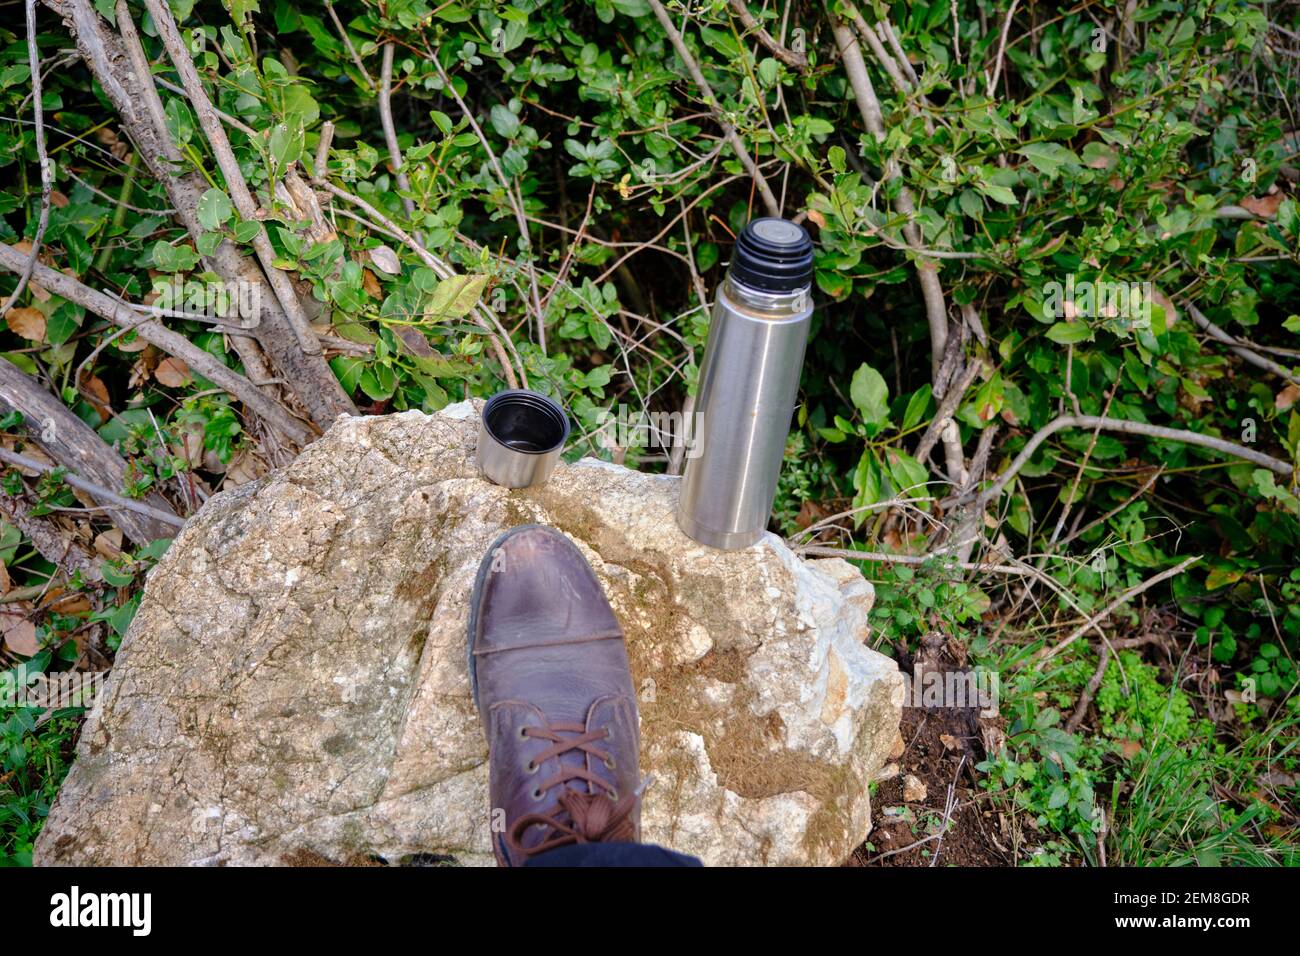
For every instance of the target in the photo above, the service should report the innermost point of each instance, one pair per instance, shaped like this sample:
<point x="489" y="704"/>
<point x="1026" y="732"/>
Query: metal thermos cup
<point x="748" y="386"/>
<point x="521" y="436"/>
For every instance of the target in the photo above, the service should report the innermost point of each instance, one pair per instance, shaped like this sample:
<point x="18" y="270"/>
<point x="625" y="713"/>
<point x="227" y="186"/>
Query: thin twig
<point x="1131" y="428"/>
<point x="1002" y="48"/>
<point x="710" y="100"/>
<point x="1094" y="683"/>
<point x="390" y="131"/>
<point x="817" y="551"/>
<point x="47" y="179"/>
<point x="243" y="200"/>
<point x="1114" y="605"/>
<point x="796" y="61"/>
<point x="1235" y="346"/>
<point x="936" y="309"/>
<point x="100" y="492"/>
<point x="347" y="42"/>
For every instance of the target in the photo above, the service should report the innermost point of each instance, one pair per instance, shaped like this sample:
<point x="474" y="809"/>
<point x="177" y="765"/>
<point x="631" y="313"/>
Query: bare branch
<point x="47" y="177"/>
<point x="347" y="42"/>
<point x="390" y="132"/>
<point x="1130" y="428"/>
<point x="817" y="551"/>
<point x="112" y="60"/>
<point x="74" y="444"/>
<point x="202" y="362"/>
<point x="729" y="131"/>
<point x="98" y="491"/>
<point x="796" y="61"/>
<point x="936" y="311"/>
<point x="900" y="81"/>
<point x="243" y="200"/>
<point x="1114" y="605"/>
<point x="1002" y="48"/>
<point x="1254" y="358"/>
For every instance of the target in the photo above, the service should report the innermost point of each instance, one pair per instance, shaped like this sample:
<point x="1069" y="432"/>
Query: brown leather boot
<point x="550" y="676"/>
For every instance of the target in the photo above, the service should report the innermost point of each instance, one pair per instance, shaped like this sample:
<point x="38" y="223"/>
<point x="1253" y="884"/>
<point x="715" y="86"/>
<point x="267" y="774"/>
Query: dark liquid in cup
<point x="523" y="444"/>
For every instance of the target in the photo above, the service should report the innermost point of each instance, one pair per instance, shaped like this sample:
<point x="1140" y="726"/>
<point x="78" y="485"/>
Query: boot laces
<point x="598" y="815"/>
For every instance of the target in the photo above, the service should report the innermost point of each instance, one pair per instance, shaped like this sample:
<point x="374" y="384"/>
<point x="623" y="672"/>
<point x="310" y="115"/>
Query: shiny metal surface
<point x="521" y="436"/>
<point x="749" y="382"/>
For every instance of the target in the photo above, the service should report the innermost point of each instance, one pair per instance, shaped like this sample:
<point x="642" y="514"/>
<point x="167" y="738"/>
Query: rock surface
<point x="293" y="688"/>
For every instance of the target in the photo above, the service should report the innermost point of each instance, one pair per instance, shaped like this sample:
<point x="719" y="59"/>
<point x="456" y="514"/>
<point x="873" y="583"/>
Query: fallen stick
<point x="1114" y="605"/>
<point x="100" y="492"/>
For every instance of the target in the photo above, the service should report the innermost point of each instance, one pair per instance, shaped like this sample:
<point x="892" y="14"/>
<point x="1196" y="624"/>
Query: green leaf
<point x="286" y="144"/>
<point x="870" y="395"/>
<point x="208" y="242"/>
<point x="63" y="323"/>
<point x="909" y="475"/>
<point x="170" y="258"/>
<point x="456" y="296"/>
<point x="348" y="371"/>
<point x="246" y="230"/>
<point x="1048" y="158"/>
<point x="1067" y="333"/>
<point x="379" y="382"/>
<point x="998" y="193"/>
<point x="214" y="209"/>
<point x="180" y="121"/>
<point x="916" y="407"/>
<point x="1222" y="577"/>
<point x="115" y="576"/>
<point x="505" y="122"/>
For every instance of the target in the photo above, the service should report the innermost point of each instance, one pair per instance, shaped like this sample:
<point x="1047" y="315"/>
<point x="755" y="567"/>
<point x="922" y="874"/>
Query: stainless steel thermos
<point x="748" y="386"/>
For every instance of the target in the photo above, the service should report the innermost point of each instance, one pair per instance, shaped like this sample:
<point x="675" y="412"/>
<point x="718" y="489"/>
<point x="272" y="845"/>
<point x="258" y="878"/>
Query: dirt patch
<point x="934" y="812"/>
<point x="898" y="826"/>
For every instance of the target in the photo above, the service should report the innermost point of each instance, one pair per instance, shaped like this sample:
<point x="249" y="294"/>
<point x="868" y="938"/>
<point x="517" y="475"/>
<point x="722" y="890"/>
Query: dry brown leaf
<point x="243" y="468"/>
<point x="131" y="343"/>
<point x="371" y="284"/>
<point x="27" y="322"/>
<point x="5" y="583"/>
<point x="1263" y="206"/>
<point x="1103" y="158"/>
<point x="818" y="218"/>
<point x="58" y="200"/>
<point x="19" y="633"/>
<point x="385" y="260"/>
<point x="94" y="389"/>
<point x="1171" y="311"/>
<point x="109" y="543"/>
<point x="95" y="392"/>
<point x="1287" y="397"/>
<point x="65" y="602"/>
<point x="949" y="741"/>
<point x="172" y="372"/>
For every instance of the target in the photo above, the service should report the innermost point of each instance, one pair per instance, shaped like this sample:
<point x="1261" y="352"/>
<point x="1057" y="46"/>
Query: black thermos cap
<point x="773" y="255"/>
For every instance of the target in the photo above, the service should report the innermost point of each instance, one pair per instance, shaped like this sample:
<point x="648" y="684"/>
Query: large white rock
<point x="294" y="684"/>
